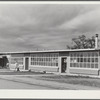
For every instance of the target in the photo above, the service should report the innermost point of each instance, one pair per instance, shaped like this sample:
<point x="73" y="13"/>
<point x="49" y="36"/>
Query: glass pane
<point x="56" y="64"/>
<point x="92" y="65"/>
<point x="71" y="65"/>
<point x="81" y="59"/>
<point x="81" y="55"/>
<point x="84" y="65"/>
<point x="80" y="64"/>
<point x="92" y="59"/>
<point x="88" y="65"/>
<point x="88" y="59"/>
<point x="92" y="54"/>
<point x="78" y="59"/>
<point x="89" y="54"/>
<point x="96" y="59"/>
<point x="77" y="54"/>
<point x="85" y="54"/>
<point x="74" y="65"/>
<point x="96" y="65"/>
<point x="84" y="59"/>
<point x="71" y="55"/>
<point x="96" y="54"/>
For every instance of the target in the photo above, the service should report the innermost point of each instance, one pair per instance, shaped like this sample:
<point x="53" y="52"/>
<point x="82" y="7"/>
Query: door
<point x="63" y="64"/>
<point x="26" y="63"/>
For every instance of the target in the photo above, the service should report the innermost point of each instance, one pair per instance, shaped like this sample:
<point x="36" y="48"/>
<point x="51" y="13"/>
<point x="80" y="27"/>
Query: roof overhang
<point x="47" y="51"/>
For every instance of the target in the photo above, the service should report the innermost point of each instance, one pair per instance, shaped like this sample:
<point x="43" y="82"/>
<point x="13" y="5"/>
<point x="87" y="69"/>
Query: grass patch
<point x="81" y="80"/>
<point x="20" y="73"/>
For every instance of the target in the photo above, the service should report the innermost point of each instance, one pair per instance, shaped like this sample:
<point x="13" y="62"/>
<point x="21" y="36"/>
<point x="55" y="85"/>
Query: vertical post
<point x="98" y="66"/>
<point x="24" y="62"/>
<point x="96" y="41"/>
<point x="68" y="65"/>
<point x="99" y="63"/>
<point x="9" y="62"/>
<point x="29" y="62"/>
<point x="59" y="64"/>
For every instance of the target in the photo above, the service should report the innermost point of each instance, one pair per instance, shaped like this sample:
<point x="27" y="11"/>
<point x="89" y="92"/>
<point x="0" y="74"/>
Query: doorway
<point x="26" y="63"/>
<point x="3" y="62"/>
<point x="63" y="64"/>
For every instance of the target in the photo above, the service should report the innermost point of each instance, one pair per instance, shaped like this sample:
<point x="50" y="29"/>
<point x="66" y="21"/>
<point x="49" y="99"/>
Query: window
<point x="46" y="59"/>
<point x="84" y="59"/>
<point x="18" y="59"/>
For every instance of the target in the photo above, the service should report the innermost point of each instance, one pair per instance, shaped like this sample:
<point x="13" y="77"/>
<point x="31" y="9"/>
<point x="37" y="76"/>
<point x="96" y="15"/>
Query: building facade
<point x="78" y="61"/>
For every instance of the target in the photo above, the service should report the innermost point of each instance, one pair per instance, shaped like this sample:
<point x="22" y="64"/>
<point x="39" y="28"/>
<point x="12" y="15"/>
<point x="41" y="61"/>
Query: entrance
<point x="26" y="63"/>
<point x="63" y="64"/>
<point x="3" y="61"/>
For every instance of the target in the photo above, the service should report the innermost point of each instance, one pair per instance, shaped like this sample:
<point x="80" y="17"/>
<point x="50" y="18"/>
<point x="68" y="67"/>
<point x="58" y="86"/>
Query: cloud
<point x="45" y="26"/>
<point x="86" y="23"/>
<point x="83" y="19"/>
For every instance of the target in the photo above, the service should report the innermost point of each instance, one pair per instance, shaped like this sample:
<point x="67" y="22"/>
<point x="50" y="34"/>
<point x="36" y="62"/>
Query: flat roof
<point x="46" y="51"/>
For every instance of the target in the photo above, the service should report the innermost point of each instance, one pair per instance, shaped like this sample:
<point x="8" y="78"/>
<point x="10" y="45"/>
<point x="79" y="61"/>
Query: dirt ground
<point x="81" y="80"/>
<point x="86" y="81"/>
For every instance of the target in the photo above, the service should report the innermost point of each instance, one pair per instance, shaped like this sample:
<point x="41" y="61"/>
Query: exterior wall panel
<point x="44" y="68"/>
<point x="63" y="53"/>
<point x="84" y="71"/>
<point x="17" y="55"/>
<point x="26" y="55"/>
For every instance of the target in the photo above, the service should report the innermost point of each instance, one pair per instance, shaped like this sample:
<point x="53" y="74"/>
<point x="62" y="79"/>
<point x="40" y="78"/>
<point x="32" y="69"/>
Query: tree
<point x="82" y="42"/>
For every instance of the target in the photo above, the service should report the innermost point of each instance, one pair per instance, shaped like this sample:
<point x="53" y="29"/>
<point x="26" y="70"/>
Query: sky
<point x="26" y="27"/>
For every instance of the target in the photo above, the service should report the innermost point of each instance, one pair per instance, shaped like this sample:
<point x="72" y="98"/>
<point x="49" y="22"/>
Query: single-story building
<point x="78" y="61"/>
<point x="72" y="61"/>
